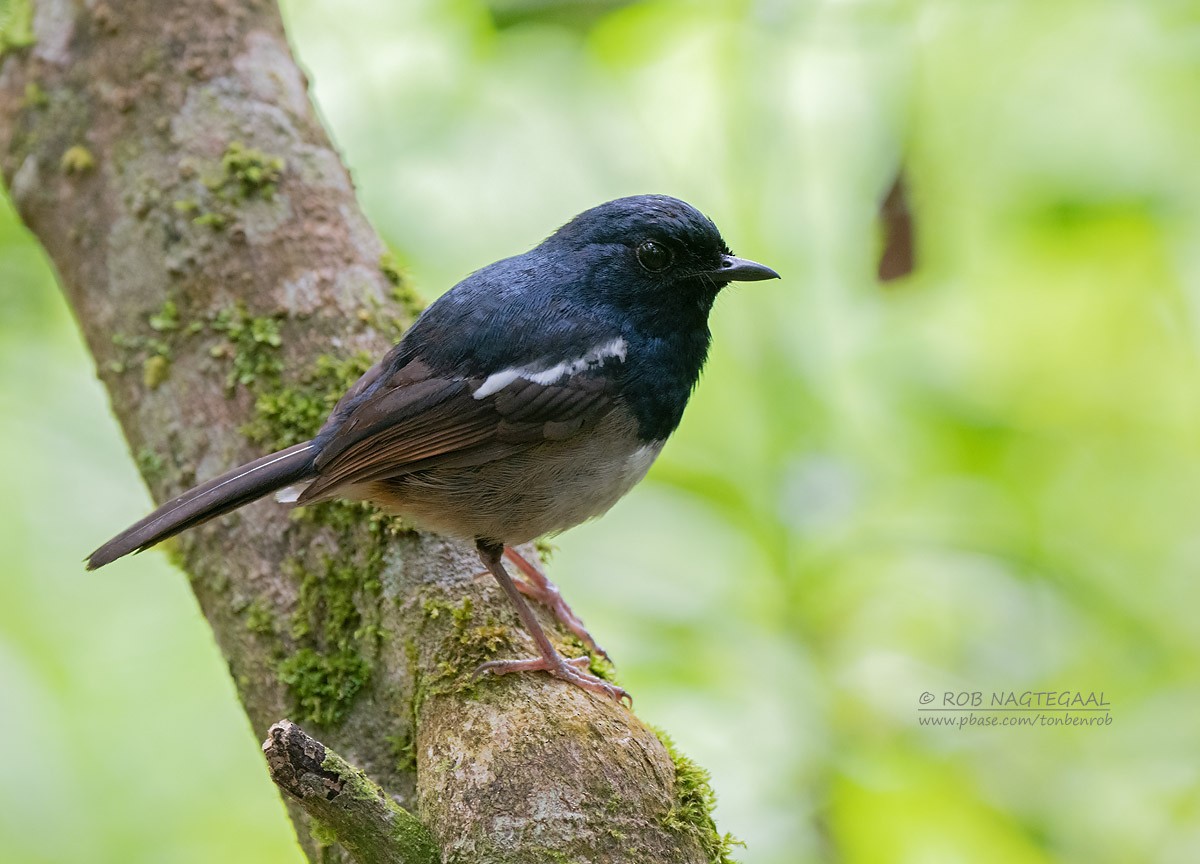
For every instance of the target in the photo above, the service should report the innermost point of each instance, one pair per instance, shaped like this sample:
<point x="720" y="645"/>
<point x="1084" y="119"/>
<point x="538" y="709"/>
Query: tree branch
<point x="360" y="815"/>
<point x="207" y="238"/>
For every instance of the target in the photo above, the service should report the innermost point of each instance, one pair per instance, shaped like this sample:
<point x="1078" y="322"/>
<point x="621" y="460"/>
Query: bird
<point x="526" y="400"/>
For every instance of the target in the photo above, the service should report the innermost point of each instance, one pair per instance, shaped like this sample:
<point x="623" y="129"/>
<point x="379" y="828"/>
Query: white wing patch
<point x="497" y="381"/>
<point x="290" y="494"/>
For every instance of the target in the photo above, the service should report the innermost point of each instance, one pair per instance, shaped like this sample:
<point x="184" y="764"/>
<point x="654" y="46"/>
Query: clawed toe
<point x="540" y="588"/>
<point x="571" y="669"/>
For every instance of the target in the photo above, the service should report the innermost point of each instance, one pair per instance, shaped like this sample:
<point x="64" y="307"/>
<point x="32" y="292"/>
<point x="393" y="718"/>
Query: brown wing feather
<point x="414" y="422"/>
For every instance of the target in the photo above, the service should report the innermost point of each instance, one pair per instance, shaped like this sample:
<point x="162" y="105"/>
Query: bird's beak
<point x="735" y="269"/>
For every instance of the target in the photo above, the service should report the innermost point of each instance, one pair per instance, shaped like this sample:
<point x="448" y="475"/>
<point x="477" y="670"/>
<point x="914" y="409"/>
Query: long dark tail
<point x="231" y="490"/>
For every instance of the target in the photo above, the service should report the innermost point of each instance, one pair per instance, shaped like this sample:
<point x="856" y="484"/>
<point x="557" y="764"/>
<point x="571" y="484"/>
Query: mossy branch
<point x="356" y="812"/>
<point x="229" y="288"/>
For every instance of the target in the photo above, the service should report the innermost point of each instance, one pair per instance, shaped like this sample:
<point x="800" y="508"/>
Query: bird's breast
<point x="543" y="490"/>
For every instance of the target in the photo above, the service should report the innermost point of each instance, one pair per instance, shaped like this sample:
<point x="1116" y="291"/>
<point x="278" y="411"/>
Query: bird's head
<point x="654" y="251"/>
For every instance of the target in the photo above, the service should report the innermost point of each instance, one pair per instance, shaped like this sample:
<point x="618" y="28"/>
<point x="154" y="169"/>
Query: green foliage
<point x="16" y="25"/>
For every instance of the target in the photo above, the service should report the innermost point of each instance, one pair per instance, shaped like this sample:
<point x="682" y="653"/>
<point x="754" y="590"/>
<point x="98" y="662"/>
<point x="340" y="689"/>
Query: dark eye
<point x="653" y="256"/>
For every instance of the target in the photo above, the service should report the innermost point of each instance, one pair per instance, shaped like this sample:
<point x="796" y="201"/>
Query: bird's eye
<point x="653" y="256"/>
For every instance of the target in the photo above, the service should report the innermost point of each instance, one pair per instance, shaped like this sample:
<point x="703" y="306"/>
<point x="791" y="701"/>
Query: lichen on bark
<point x="229" y="288"/>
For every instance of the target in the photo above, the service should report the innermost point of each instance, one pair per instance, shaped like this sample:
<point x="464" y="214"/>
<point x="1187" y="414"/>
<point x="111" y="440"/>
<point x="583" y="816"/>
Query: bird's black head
<point x="654" y="251"/>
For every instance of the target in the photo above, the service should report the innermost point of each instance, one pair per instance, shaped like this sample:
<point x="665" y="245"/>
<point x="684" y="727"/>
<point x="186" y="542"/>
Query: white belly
<point x="544" y="490"/>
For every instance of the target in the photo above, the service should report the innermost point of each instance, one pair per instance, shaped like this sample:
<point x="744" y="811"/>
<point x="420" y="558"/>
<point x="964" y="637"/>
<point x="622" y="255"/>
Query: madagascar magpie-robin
<point x="527" y="399"/>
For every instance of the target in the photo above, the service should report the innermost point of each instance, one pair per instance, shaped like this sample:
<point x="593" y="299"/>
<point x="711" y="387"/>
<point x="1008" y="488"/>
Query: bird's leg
<point x="536" y="585"/>
<point x="551" y="661"/>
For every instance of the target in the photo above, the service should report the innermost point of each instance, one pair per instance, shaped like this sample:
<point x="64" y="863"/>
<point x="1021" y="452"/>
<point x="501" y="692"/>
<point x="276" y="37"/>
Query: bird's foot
<point x="572" y="669"/>
<point x="549" y="660"/>
<point x="535" y="584"/>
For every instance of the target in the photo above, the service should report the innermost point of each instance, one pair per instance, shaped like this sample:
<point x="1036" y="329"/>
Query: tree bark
<point x="207" y="238"/>
<point x="360" y="815"/>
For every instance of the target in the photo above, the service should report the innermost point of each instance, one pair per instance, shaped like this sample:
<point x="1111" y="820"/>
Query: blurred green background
<point x="982" y="478"/>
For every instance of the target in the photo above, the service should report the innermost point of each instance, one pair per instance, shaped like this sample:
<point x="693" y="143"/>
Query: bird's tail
<point x="209" y="500"/>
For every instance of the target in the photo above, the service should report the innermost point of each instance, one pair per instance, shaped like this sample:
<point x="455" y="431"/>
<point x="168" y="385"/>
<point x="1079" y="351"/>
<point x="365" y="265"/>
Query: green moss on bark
<point x="336" y="618"/>
<point x="218" y="188"/>
<point x="293" y="413"/>
<point x="151" y="465"/>
<point x="35" y="96"/>
<point x="77" y="160"/>
<point x="260" y="619"/>
<point x="334" y="627"/>
<point x="155" y="370"/>
<point x="249" y="173"/>
<point x="404" y="750"/>
<point x="251" y="346"/>
<point x="166" y="319"/>
<point x="324" y="685"/>
<point x="691" y="812"/>
<point x="402" y="289"/>
<point x="405" y="833"/>
<point x="150" y="353"/>
<point x="213" y="219"/>
<point x="335" y="622"/>
<point x="338" y="578"/>
<point x="465" y="643"/>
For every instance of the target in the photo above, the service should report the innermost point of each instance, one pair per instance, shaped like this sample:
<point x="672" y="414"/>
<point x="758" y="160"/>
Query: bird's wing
<point x="415" y="419"/>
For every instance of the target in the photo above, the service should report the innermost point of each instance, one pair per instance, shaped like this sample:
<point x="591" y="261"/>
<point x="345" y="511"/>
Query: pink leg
<point x="536" y="585"/>
<point x="572" y="670"/>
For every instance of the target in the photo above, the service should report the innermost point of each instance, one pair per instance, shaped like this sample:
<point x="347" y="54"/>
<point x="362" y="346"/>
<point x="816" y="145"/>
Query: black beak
<point x="735" y="269"/>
